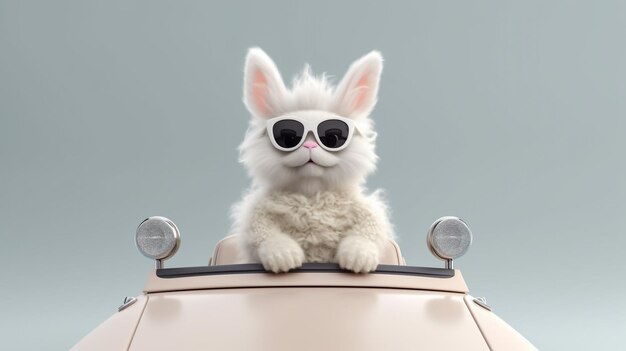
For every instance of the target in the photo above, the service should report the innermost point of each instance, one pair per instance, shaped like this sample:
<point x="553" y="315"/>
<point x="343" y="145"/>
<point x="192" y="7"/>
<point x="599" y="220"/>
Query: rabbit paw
<point x="358" y="255"/>
<point x="280" y="255"/>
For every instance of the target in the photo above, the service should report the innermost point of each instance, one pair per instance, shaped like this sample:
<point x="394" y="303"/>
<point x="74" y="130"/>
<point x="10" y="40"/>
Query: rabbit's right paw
<point x="280" y="255"/>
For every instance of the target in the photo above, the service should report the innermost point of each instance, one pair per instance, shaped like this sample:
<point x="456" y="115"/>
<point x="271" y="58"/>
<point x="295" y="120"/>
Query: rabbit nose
<point x="310" y="144"/>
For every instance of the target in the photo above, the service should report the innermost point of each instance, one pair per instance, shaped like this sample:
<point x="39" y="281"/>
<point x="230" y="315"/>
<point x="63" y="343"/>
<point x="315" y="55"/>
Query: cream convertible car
<point x="233" y="305"/>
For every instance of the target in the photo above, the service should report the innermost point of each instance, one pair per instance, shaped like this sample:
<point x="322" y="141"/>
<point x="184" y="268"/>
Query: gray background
<point x="508" y="114"/>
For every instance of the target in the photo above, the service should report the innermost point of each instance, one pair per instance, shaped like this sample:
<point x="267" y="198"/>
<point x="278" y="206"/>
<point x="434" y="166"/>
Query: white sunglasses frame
<point x="310" y="126"/>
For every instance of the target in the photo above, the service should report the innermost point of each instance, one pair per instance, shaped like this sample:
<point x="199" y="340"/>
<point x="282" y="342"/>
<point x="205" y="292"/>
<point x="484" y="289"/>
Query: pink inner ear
<point x="259" y="92"/>
<point x="363" y="91"/>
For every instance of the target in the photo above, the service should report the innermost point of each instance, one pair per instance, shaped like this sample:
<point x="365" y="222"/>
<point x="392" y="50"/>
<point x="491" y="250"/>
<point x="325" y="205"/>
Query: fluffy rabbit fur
<point x="299" y="211"/>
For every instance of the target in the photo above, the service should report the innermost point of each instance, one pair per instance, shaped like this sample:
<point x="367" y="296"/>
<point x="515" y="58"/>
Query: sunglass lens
<point x="288" y="133"/>
<point x="333" y="133"/>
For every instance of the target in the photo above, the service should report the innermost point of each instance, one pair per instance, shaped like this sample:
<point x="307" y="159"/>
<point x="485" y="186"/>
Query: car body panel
<point x="307" y="318"/>
<point x="116" y="332"/>
<point x="235" y="305"/>
<point x="498" y="334"/>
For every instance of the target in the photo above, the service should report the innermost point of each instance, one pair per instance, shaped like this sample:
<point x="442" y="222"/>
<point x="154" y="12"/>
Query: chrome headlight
<point x="157" y="238"/>
<point x="449" y="238"/>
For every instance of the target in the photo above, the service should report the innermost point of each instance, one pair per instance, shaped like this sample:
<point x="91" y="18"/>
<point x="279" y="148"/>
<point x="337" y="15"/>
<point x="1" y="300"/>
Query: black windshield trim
<point x="251" y="268"/>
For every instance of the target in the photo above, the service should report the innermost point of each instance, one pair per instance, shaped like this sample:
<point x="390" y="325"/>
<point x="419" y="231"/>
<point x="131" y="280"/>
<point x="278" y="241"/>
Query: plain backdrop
<point x="511" y="115"/>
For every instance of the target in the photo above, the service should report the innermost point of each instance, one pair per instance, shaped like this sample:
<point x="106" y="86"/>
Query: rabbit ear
<point x="357" y="93"/>
<point x="264" y="90"/>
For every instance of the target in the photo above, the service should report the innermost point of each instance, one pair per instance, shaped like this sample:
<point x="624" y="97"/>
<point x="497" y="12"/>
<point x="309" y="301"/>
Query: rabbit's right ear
<point x="263" y="87"/>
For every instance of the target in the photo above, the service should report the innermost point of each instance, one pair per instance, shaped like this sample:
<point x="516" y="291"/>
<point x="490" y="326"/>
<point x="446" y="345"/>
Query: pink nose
<point x="310" y="144"/>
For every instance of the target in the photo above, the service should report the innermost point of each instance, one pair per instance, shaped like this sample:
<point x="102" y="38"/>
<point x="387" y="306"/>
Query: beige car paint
<point x="305" y="318"/>
<point x="498" y="334"/>
<point x="116" y="332"/>
<point x="304" y="311"/>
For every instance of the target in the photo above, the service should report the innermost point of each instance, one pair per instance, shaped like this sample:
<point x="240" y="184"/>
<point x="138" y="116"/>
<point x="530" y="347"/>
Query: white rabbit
<point x="307" y="201"/>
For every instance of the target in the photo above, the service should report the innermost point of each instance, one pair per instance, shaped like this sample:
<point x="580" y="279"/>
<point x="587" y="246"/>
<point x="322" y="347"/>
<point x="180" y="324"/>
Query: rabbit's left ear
<point x="357" y="93"/>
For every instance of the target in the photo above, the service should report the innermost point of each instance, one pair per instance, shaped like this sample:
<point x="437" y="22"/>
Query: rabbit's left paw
<point x="358" y="255"/>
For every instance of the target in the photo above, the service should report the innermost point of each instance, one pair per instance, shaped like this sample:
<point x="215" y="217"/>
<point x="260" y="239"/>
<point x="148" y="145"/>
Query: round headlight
<point x="449" y="238"/>
<point x="157" y="238"/>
